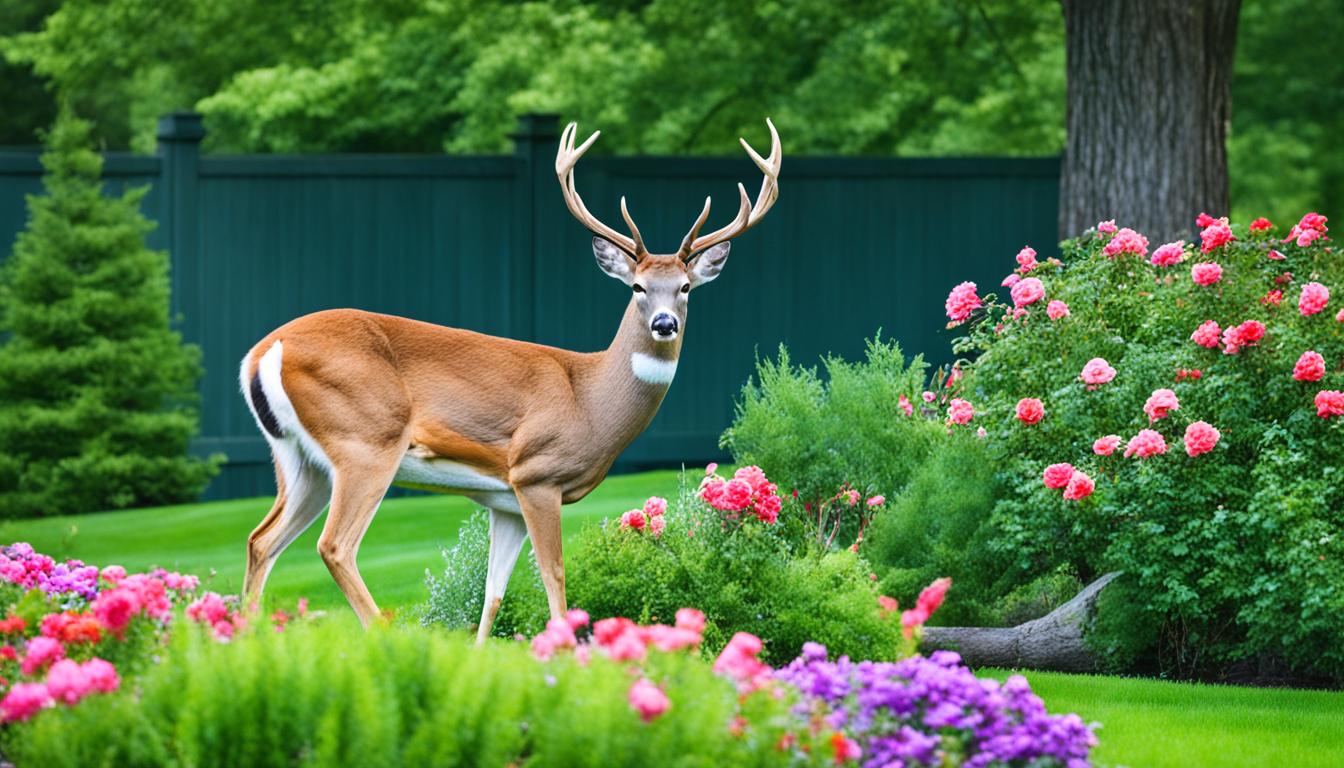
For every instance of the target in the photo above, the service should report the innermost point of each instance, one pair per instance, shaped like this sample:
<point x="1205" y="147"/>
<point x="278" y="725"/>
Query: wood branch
<point x="1053" y="642"/>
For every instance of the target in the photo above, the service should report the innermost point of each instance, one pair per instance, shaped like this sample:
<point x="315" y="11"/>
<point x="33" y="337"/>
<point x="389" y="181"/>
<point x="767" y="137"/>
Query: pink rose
<point x="1215" y="235"/>
<point x="1126" y="241"/>
<point x="1207" y="334"/>
<point x="1011" y="280"/>
<point x="1274" y="255"/>
<point x="1056" y="310"/>
<point x="1206" y="273"/>
<point x="1160" y="403"/>
<point x="1169" y="254"/>
<point x="959" y="411"/>
<point x="1203" y="220"/>
<point x="1314" y="298"/>
<point x="1104" y="227"/>
<point x="1097" y="372"/>
<point x="1329" y="402"/>
<point x="877" y="501"/>
<point x="23" y="701"/>
<point x="1261" y="225"/>
<point x="690" y="618"/>
<point x="42" y="652"/>
<point x="962" y="301"/>
<point x="648" y="699"/>
<point x="1030" y="410"/>
<point x="927" y="396"/>
<point x="1146" y="443"/>
<point x="1310" y="367"/>
<point x="1026" y="259"/>
<point x="655" y="506"/>
<point x="634" y="520"/>
<point x="906" y="407"/>
<point x="1057" y="475"/>
<point x="1105" y="446"/>
<point x="1200" y="437"/>
<point x="656" y="526"/>
<point x="1080" y="487"/>
<point x="1027" y="291"/>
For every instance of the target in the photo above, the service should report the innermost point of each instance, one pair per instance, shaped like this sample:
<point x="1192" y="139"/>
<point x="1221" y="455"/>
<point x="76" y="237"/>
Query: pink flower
<point x="876" y="501"/>
<point x="1275" y="255"/>
<point x="634" y="520"/>
<point x="927" y="396"/>
<point x="1126" y="241"/>
<point x="576" y="618"/>
<point x="1273" y="298"/>
<point x="1307" y="237"/>
<point x="690" y="618"/>
<point x="1206" y="273"/>
<point x="844" y="749"/>
<point x="906" y="407"/>
<point x="1200" y="437"/>
<point x="1080" y="487"/>
<point x="113" y="574"/>
<point x="115" y="607"/>
<point x="887" y="605"/>
<point x="1339" y="316"/>
<point x="711" y="468"/>
<point x="648" y="699"/>
<point x="1030" y="410"/>
<point x="1160" y="403"/>
<point x="656" y="526"/>
<point x="66" y="682"/>
<point x="980" y="432"/>
<point x="1056" y="310"/>
<point x="209" y="608"/>
<point x="1026" y="259"/>
<point x="960" y="411"/>
<point x="1203" y="220"/>
<point x="1146" y="443"/>
<point x="1011" y="280"/>
<point x="1308" y="230"/>
<point x="931" y="597"/>
<point x="1057" y="476"/>
<point x="962" y="301"/>
<point x="1261" y="225"/>
<point x="1329" y="402"/>
<point x="1215" y="235"/>
<point x="669" y="639"/>
<point x="1310" y="367"/>
<point x="1105" y="446"/>
<point x="42" y="651"/>
<point x="558" y="634"/>
<point x="1206" y="335"/>
<point x="1169" y="254"/>
<point x="655" y="506"/>
<point x="1104" y="227"/>
<point x="23" y="701"/>
<point x="1314" y="298"/>
<point x="1027" y="291"/>
<point x="738" y="661"/>
<point x="1097" y="372"/>
<point x="767" y="509"/>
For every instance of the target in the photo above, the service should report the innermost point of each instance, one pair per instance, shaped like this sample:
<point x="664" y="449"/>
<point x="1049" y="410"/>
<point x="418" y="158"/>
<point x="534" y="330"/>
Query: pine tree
<point x="97" y="392"/>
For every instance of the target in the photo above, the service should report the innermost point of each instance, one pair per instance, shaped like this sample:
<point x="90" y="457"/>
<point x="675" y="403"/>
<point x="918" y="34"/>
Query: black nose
<point x="664" y="324"/>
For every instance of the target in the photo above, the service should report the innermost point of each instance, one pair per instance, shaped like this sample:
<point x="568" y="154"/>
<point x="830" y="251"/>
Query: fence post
<point x="534" y="150"/>
<point x="179" y="138"/>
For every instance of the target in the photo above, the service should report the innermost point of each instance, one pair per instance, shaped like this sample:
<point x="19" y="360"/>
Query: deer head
<point x="662" y="283"/>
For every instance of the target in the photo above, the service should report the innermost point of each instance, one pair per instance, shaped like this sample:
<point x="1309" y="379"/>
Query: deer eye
<point x="685" y="287"/>
<point x="638" y="288"/>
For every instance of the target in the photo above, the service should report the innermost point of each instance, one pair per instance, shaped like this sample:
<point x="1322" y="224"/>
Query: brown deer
<point x="353" y="402"/>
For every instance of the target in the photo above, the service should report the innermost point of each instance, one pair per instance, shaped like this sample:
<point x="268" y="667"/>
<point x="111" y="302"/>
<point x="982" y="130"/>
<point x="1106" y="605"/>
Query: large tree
<point x="1148" y="109"/>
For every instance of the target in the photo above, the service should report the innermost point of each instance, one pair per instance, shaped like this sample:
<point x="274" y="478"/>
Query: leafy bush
<point x="1219" y="386"/>
<point x="96" y="391"/>
<point x="816" y="433"/>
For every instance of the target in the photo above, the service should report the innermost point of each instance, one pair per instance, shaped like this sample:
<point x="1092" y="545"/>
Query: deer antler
<point x="747" y="214"/>
<point x="565" y="159"/>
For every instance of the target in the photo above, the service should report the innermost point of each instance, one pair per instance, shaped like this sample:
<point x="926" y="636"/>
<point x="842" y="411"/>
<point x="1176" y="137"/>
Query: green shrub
<point x="1228" y="556"/>
<point x="457" y="597"/>
<point x="97" y="392"/>
<point x="330" y="694"/>
<point x="815" y="433"/>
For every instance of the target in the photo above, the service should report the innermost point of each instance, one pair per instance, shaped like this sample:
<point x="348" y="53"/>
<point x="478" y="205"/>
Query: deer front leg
<point x="507" y="533"/>
<point x="541" y="512"/>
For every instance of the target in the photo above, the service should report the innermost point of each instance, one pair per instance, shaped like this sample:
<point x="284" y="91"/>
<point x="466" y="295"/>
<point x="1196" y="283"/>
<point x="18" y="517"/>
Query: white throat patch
<point x="652" y="370"/>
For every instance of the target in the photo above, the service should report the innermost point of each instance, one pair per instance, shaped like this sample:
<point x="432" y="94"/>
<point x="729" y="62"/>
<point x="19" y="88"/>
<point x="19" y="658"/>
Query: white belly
<point x="447" y="476"/>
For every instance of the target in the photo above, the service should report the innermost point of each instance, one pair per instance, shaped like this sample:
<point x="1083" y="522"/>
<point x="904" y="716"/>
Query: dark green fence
<point x="853" y="245"/>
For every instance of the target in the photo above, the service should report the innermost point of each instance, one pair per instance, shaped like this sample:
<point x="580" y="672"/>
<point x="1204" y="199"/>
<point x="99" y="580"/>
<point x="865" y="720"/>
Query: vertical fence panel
<point x="485" y="243"/>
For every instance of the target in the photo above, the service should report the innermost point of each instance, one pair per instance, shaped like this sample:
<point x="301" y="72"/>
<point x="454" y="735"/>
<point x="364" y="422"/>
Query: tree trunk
<point x="1053" y="642"/>
<point x="1148" y="108"/>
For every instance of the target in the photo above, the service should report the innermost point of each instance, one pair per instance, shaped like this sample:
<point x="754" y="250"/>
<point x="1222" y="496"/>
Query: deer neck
<point x="631" y="380"/>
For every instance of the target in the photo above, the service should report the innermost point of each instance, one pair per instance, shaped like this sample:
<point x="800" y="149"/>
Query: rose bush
<point x="1216" y="367"/>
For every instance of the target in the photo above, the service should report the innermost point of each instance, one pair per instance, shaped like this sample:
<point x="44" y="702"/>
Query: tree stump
<point x="1053" y="642"/>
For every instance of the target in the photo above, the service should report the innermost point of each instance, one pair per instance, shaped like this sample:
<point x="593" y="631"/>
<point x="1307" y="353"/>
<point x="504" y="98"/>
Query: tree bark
<point x="1053" y="642"/>
<point x="1148" y="109"/>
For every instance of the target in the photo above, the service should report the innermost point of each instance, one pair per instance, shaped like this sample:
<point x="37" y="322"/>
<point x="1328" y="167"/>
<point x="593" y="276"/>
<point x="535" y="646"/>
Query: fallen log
<point x="1053" y="642"/>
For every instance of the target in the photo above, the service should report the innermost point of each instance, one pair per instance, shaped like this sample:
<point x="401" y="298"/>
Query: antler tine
<point x="566" y="157"/>
<point x="685" y="250"/>
<point x="748" y="215"/>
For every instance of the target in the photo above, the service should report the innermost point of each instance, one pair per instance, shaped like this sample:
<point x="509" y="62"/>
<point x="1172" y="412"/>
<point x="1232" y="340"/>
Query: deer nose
<point x="664" y="324"/>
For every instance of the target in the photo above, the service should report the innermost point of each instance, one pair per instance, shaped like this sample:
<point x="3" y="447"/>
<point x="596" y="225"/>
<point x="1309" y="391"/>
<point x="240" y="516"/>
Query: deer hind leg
<point x="298" y="502"/>
<point x="358" y="489"/>
<point x="507" y="534"/>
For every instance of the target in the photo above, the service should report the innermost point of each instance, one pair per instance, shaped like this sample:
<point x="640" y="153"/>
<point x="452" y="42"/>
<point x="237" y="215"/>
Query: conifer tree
<point x="97" y="392"/>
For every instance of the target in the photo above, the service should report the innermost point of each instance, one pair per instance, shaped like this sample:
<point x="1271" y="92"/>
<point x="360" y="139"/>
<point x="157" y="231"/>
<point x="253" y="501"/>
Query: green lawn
<point x="1159" y="724"/>
<point x="207" y="538"/>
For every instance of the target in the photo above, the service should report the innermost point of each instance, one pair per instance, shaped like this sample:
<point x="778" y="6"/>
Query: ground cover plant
<point x="198" y="681"/>
<point x="1173" y="412"/>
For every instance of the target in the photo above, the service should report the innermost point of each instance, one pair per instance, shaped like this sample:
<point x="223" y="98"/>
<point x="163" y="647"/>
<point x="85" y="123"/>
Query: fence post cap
<point x="181" y="126"/>
<point x="537" y="126"/>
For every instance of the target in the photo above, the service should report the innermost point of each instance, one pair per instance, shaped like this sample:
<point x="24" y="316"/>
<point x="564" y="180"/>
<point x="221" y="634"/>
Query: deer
<point x="352" y="403"/>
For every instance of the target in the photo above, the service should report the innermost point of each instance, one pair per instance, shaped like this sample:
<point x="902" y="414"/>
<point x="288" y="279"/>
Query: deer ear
<point x="707" y="264"/>
<point x="614" y="261"/>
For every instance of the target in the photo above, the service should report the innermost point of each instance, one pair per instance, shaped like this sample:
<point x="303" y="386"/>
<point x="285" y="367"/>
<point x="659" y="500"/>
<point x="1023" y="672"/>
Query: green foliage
<point x="745" y="577"/>
<point x="330" y="694"/>
<point x="457" y="597"/>
<point x="1229" y="556"/>
<point x="814" y="434"/>
<point x="96" y="391"/>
